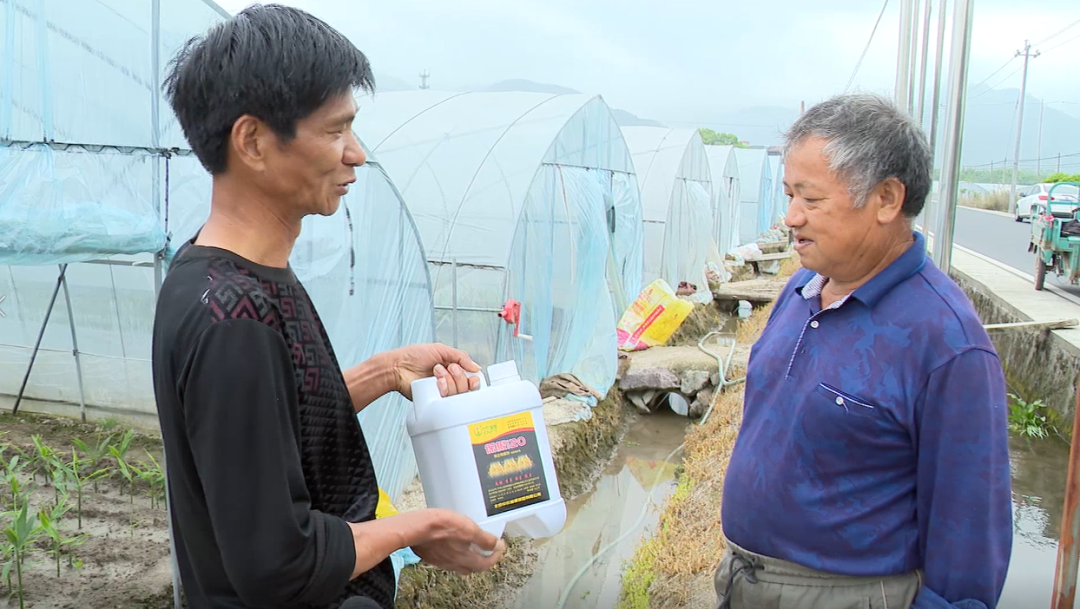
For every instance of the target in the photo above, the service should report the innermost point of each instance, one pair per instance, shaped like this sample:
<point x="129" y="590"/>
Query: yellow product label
<point x="508" y="462"/>
<point x="486" y="431"/>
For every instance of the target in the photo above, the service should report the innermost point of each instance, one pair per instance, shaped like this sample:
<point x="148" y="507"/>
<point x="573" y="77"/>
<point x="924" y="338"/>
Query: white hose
<point x="621" y="538"/>
<point x="723" y="369"/>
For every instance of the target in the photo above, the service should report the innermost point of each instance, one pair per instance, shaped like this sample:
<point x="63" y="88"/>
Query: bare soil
<point x="125" y="560"/>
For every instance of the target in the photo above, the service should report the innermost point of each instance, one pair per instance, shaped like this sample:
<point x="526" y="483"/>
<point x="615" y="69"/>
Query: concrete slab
<point x="1017" y="292"/>
<point x="1039" y="364"/>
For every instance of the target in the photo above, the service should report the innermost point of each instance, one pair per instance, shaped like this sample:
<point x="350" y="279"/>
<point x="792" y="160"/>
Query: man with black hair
<point x="272" y="486"/>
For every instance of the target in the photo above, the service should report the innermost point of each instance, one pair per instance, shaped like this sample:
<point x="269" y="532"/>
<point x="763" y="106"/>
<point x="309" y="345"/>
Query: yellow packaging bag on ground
<point x="652" y="318"/>
<point x="384" y="508"/>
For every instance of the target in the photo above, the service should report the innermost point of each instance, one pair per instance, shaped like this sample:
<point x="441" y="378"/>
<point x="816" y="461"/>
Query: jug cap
<point x="505" y="372"/>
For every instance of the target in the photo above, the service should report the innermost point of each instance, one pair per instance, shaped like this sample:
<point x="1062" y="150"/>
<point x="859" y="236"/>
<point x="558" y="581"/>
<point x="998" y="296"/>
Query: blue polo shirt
<point x="875" y="437"/>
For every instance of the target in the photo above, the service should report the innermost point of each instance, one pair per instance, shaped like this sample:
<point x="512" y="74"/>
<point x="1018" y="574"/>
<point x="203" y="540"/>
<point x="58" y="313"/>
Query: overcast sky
<point x="684" y="61"/>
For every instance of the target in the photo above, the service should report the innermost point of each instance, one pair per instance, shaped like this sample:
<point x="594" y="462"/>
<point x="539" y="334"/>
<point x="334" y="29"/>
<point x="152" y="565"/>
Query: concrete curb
<point x="991" y="212"/>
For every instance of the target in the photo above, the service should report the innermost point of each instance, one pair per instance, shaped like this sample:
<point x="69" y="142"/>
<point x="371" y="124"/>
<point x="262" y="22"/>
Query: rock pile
<point x="654" y="374"/>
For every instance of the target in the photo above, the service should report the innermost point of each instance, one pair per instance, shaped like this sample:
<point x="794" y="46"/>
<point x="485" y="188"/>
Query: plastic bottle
<point x="485" y="454"/>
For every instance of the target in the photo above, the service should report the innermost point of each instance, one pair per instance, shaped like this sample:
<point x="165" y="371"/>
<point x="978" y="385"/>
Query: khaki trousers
<point x="745" y="580"/>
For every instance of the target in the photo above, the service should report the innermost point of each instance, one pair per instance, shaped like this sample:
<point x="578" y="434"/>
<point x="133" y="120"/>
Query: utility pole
<point x="424" y="76"/>
<point x="1020" y="124"/>
<point x="1038" y="155"/>
<point x="954" y="132"/>
<point x="903" y="57"/>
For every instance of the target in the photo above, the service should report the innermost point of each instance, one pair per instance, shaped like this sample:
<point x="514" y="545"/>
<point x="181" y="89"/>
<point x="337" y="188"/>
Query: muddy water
<point x="1039" y="471"/>
<point x="601" y="516"/>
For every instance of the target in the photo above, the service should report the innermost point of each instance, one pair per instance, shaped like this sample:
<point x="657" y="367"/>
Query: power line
<point x="1005" y="65"/>
<point x="867" y="47"/>
<point x="1045" y="158"/>
<point x="1062" y="44"/>
<point x="998" y="84"/>
<point x="1057" y="33"/>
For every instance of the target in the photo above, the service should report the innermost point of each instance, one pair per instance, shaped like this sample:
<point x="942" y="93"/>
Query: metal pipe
<point x="903" y="56"/>
<point x="453" y="297"/>
<point x="41" y="335"/>
<point x="954" y="132"/>
<point x="937" y="77"/>
<point x="914" y="56"/>
<point x="1068" y="558"/>
<point x="467" y="309"/>
<point x="74" y="348"/>
<point x="922" y="63"/>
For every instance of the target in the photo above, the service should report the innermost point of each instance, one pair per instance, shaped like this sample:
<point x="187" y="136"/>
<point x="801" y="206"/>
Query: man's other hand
<point x="446" y="364"/>
<point x="455" y="544"/>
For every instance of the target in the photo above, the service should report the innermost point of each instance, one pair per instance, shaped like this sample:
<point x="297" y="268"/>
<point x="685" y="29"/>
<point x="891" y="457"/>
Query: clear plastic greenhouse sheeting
<point x="570" y="318"/>
<point x="68" y="206"/>
<point x="780" y="200"/>
<point x="757" y="193"/>
<point x="628" y="250"/>
<point x="363" y="267"/>
<point x="81" y="71"/>
<point x="474" y="169"/>
<point x="726" y="196"/>
<point x="674" y="174"/>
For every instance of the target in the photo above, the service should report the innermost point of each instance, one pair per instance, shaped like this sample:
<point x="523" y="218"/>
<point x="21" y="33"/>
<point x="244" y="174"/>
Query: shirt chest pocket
<point x="834" y="403"/>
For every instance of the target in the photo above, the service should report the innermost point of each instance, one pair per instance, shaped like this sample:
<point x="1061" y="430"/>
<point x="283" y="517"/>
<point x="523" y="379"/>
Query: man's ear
<point x="889" y="200"/>
<point x="249" y="141"/>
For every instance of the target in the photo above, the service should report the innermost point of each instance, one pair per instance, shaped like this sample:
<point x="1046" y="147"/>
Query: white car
<point x="1066" y="198"/>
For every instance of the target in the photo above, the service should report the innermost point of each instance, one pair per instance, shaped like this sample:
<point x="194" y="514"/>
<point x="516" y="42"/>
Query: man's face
<point x="832" y="236"/>
<point x="312" y="171"/>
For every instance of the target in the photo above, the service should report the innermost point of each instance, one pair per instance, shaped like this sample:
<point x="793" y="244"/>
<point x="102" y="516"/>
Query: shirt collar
<point x="909" y="263"/>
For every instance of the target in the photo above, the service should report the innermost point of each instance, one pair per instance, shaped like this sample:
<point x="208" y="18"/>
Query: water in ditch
<point x="594" y="520"/>
<point x="638" y="477"/>
<point x="1039" y="471"/>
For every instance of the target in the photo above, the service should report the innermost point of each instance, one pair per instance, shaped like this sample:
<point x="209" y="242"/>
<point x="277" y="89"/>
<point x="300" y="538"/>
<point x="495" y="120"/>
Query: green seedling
<point x="58" y="542"/>
<point x="77" y="480"/>
<point x="7" y="564"/>
<point x="45" y="458"/>
<point x="154" y="477"/>
<point x="125" y="472"/>
<point x="21" y="534"/>
<point x="12" y="475"/>
<point x="95" y="453"/>
<point x="119" y="453"/>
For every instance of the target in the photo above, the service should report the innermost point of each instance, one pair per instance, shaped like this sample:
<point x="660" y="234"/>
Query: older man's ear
<point x="889" y="197"/>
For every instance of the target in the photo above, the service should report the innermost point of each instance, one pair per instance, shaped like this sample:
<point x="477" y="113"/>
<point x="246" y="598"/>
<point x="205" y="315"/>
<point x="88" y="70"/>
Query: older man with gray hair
<point x="872" y="465"/>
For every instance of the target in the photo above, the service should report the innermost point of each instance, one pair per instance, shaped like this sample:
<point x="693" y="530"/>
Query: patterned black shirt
<point x="266" y="459"/>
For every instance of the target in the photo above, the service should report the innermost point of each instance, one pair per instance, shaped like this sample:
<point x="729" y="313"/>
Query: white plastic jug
<point x="485" y="454"/>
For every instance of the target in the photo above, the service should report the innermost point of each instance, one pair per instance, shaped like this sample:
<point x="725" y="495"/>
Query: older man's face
<point x="832" y="236"/>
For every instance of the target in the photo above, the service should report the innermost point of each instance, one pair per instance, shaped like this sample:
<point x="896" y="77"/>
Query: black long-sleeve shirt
<point x="265" y="457"/>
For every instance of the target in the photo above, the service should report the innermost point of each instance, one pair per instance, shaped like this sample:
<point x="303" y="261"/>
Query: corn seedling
<point x="45" y="458"/>
<point x="59" y="544"/>
<point x="21" y="534"/>
<point x="7" y="564"/>
<point x="77" y="480"/>
<point x="95" y="453"/>
<point x="119" y="453"/>
<point x="125" y="472"/>
<point x="12" y="475"/>
<point x="154" y="477"/>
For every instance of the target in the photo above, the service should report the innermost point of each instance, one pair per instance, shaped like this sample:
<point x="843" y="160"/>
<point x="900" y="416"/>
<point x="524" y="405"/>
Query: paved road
<point x="1003" y="239"/>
